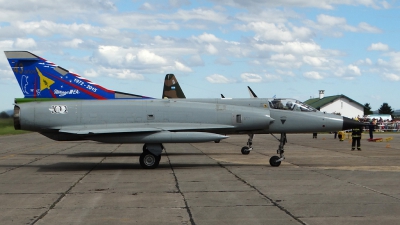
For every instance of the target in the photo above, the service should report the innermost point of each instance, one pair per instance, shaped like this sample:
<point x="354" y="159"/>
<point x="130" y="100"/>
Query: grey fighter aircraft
<point x="64" y="106"/>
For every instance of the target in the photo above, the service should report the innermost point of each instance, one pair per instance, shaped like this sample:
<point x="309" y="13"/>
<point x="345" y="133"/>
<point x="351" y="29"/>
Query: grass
<point x="7" y="127"/>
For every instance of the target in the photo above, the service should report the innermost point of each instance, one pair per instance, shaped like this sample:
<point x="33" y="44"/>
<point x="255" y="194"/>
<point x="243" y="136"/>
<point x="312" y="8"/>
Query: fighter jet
<point x="64" y="106"/>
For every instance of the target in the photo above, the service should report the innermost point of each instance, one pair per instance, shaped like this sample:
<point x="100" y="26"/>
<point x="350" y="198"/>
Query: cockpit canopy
<point x="290" y="104"/>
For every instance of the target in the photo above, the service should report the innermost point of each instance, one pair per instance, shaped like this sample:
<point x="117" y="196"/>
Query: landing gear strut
<point x="151" y="156"/>
<point x="275" y="161"/>
<point x="246" y="149"/>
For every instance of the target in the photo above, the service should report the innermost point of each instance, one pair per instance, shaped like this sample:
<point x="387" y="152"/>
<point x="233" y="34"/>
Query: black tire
<point x="148" y="160"/>
<point x="273" y="162"/>
<point x="217" y="141"/>
<point x="245" y="150"/>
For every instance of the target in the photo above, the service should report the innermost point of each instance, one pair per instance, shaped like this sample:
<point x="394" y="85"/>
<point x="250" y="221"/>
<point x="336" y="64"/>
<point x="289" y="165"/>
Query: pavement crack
<point x="52" y="206"/>
<point x="275" y="203"/>
<point x="359" y="185"/>
<point x="37" y="159"/>
<point x="180" y="191"/>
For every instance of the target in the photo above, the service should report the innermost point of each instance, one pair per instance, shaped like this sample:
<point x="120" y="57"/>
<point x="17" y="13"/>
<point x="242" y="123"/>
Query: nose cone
<point x="350" y="124"/>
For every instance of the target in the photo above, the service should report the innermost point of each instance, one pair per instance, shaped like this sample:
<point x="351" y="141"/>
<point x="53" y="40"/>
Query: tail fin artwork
<point x="42" y="79"/>
<point x="172" y="89"/>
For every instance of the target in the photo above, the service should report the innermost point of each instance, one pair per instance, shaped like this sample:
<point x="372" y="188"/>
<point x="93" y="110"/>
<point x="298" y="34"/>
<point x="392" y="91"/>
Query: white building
<point x="337" y="104"/>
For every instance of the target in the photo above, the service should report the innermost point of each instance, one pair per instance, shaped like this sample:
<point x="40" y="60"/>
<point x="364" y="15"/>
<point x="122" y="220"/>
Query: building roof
<point x="318" y="103"/>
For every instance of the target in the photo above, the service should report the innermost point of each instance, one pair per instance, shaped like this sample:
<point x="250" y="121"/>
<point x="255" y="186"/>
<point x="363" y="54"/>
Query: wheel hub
<point x="149" y="160"/>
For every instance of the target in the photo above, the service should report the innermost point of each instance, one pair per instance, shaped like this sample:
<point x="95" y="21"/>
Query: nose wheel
<point x="246" y="149"/>
<point x="275" y="160"/>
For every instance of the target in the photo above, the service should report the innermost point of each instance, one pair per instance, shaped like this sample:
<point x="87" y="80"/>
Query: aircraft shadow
<point x="134" y="165"/>
<point x="127" y="154"/>
<point x="60" y="167"/>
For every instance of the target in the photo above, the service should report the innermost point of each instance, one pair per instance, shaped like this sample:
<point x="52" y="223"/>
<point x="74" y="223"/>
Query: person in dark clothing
<point x="356" y="136"/>
<point x="371" y="128"/>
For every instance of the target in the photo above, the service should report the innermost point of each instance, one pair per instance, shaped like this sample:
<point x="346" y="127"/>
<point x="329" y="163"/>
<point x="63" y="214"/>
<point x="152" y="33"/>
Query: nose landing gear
<point x="246" y="149"/>
<point x="275" y="161"/>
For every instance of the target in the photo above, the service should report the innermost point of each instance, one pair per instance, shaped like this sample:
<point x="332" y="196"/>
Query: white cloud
<point x="251" y="77"/>
<point x="74" y="43"/>
<point x="205" y="37"/>
<point x="147" y="6"/>
<point x="365" y="27"/>
<point x="271" y="77"/>
<point x="6" y="45"/>
<point x="314" y="61"/>
<point x="90" y="73"/>
<point x="283" y="57"/>
<point x="276" y="32"/>
<point x="124" y="74"/>
<point x="147" y="57"/>
<point x="7" y="75"/>
<point x="199" y="14"/>
<point x="391" y="77"/>
<point x="330" y="20"/>
<point x="179" y="66"/>
<point x="335" y="26"/>
<point x="296" y="48"/>
<point x="211" y="49"/>
<point x="378" y="47"/>
<point x="217" y="78"/>
<point x="354" y="69"/>
<point x="25" y="43"/>
<point x="313" y="75"/>
<point x="196" y="60"/>
<point x="286" y="73"/>
<point x="47" y="28"/>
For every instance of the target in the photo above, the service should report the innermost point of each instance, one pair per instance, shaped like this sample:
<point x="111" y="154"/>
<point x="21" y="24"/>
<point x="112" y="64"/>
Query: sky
<point x="285" y="48"/>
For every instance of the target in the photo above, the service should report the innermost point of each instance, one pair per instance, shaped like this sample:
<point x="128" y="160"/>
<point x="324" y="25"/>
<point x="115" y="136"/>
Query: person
<point x="341" y="135"/>
<point x="371" y="128"/>
<point x="335" y="134"/>
<point x="356" y="136"/>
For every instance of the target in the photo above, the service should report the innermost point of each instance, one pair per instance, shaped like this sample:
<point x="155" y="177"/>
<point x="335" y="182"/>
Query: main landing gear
<point x="246" y="149"/>
<point x="275" y="161"/>
<point x="151" y="156"/>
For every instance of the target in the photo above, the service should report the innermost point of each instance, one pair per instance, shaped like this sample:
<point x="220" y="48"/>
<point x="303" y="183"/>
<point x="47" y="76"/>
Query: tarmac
<point x="320" y="182"/>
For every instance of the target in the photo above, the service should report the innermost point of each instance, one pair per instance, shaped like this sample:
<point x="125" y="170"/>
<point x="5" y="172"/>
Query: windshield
<point x="290" y="104"/>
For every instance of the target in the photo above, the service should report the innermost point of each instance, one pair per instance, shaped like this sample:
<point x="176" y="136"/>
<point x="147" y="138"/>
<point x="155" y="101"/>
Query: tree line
<point x="4" y="115"/>
<point x="384" y="109"/>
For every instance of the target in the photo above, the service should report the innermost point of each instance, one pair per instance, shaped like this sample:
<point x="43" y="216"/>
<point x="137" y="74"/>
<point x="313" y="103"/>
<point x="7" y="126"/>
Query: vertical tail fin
<point x="40" y="78"/>
<point x="172" y="89"/>
<point x="251" y="92"/>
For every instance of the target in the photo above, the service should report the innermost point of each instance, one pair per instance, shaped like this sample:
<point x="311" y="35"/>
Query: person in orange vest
<point x="356" y="136"/>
